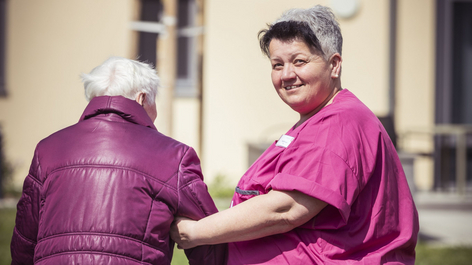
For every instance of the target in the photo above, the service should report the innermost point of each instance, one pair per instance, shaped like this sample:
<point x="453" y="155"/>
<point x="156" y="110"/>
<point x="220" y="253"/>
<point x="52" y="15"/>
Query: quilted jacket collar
<point x="128" y="109"/>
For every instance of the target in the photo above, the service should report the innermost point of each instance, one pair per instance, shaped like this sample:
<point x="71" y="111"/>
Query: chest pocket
<point x="254" y="182"/>
<point x="241" y="195"/>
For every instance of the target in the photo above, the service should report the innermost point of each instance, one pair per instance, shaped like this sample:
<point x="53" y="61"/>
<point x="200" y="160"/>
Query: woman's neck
<point x="326" y="102"/>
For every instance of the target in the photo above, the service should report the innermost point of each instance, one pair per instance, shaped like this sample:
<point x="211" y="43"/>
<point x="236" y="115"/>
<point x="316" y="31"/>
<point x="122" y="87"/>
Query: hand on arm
<point x="272" y="213"/>
<point x="195" y="202"/>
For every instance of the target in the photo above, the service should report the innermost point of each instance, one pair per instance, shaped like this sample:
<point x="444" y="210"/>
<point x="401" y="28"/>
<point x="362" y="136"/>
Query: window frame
<point x="444" y="60"/>
<point x="188" y="86"/>
<point x="445" y="174"/>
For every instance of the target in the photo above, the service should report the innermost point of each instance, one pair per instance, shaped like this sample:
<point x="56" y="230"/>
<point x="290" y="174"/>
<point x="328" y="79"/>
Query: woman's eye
<point x="277" y="66"/>
<point x="299" y="61"/>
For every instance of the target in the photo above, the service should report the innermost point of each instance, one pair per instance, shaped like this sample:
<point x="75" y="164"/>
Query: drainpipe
<point x="389" y="120"/>
<point x="200" y="22"/>
<point x="166" y="64"/>
<point x="392" y="57"/>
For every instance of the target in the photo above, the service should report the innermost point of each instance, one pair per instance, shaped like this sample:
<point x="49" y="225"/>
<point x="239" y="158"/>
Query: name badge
<point x="284" y="141"/>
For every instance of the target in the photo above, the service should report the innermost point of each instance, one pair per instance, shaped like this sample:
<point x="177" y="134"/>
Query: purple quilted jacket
<point x="106" y="190"/>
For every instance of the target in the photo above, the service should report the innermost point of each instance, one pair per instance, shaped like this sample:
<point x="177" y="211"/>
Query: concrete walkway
<point x="445" y="218"/>
<point x="8" y="203"/>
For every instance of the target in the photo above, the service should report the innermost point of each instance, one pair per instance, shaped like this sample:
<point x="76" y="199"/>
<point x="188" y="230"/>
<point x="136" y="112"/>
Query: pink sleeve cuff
<point x="287" y="182"/>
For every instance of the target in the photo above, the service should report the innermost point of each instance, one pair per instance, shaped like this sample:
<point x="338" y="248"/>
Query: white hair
<point x="322" y="22"/>
<point x="119" y="76"/>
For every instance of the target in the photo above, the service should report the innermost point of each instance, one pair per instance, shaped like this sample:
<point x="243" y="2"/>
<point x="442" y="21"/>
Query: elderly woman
<point x="105" y="190"/>
<point x="329" y="191"/>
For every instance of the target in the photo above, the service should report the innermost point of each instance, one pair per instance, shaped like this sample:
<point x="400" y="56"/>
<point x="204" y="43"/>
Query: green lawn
<point x="7" y="222"/>
<point x="426" y="255"/>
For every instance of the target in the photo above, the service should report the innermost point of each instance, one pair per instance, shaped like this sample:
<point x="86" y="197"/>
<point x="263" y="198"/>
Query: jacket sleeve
<point x="195" y="203"/>
<point x="27" y="217"/>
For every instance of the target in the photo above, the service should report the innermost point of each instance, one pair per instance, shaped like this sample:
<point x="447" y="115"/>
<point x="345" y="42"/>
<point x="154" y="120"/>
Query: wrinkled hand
<point x="181" y="232"/>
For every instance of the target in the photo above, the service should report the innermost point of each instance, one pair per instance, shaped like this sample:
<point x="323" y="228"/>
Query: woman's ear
<point x="140" y="97"/>
<point x="335" y="63"/>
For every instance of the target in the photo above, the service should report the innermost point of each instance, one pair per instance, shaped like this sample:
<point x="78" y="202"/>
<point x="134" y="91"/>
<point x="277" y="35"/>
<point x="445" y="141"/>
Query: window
<point x="453" y="88"/>
<point x="454" y="62"/>
<point x="150" y="26"/>
<point x="147" y="44"/>
<point x="187" y="65"/>
<point x="3" y="91"/>
<point x="462" y="63"/>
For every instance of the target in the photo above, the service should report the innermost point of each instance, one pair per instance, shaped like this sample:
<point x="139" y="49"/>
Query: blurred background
<point x="409" y="61"/>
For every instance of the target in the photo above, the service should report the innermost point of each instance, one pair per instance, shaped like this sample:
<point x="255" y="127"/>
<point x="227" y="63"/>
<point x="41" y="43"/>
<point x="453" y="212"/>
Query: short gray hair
<point x="322" y="22"/>
<point x="119" y="76"/>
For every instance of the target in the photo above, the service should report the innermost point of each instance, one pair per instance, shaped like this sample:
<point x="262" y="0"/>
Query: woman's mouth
<point x="292" y="87"/>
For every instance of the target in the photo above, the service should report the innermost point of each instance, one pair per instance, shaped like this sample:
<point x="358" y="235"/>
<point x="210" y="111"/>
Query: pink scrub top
<point x="343" y="156"/>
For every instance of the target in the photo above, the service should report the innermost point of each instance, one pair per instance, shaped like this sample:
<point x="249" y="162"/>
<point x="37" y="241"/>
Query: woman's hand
<point x="181" y="231"/>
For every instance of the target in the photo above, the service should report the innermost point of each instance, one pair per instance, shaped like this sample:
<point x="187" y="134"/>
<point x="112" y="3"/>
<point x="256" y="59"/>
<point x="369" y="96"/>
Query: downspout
<point x="200" y="58"/>
<point x="389" y="121"/>
<point x="166" y="64"/>
<point x="392" y="58"/>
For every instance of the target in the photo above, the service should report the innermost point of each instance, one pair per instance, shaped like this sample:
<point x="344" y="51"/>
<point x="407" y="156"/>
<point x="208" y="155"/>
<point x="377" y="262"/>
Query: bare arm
<point x="264" y="215"/>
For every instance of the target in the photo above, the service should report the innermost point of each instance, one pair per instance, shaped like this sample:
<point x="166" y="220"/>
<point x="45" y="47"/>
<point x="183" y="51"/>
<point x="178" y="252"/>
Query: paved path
<point x="445" y="218"/>
<point x="8" y="203"/>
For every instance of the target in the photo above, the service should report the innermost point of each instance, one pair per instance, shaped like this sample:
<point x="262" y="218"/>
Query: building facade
<point x="217" y="94"/>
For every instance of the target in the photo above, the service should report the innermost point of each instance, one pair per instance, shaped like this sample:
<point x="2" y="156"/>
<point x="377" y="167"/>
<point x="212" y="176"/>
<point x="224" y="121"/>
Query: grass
<point x="425" y="254"/>
<point x="428" y="255"/>
<point x="179" y="257"/>
<point x="7" y="222"/>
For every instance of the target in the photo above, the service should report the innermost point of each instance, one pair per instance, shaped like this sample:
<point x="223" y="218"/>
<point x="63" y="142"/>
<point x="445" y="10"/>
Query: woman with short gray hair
<point x="332" y="189"/>
<point x="106" y="189"/>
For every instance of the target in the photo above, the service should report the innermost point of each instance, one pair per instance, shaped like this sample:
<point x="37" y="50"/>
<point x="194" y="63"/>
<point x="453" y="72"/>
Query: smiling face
<point x="303" y="79"/>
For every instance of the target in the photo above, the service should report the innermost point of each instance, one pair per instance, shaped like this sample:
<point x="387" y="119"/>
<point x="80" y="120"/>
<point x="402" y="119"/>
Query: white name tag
<point x="284" y="141"/>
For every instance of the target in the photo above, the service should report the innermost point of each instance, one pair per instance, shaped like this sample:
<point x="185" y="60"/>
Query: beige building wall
<point x="415" y="82"/>
<point x="240" y="104"/>
<point x="49" y="43"/>
<point x="186" y="121"/>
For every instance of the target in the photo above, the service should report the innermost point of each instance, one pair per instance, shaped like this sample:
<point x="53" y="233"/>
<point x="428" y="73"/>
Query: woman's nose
<point x="288" y="72"/>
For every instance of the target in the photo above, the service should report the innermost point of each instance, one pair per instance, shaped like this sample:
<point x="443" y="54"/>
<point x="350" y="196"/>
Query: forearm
<point x="246" y="221"/>
<point x="264" y="215"/>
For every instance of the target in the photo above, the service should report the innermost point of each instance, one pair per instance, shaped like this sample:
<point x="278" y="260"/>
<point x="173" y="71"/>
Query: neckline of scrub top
<point x="294" y="131"/>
